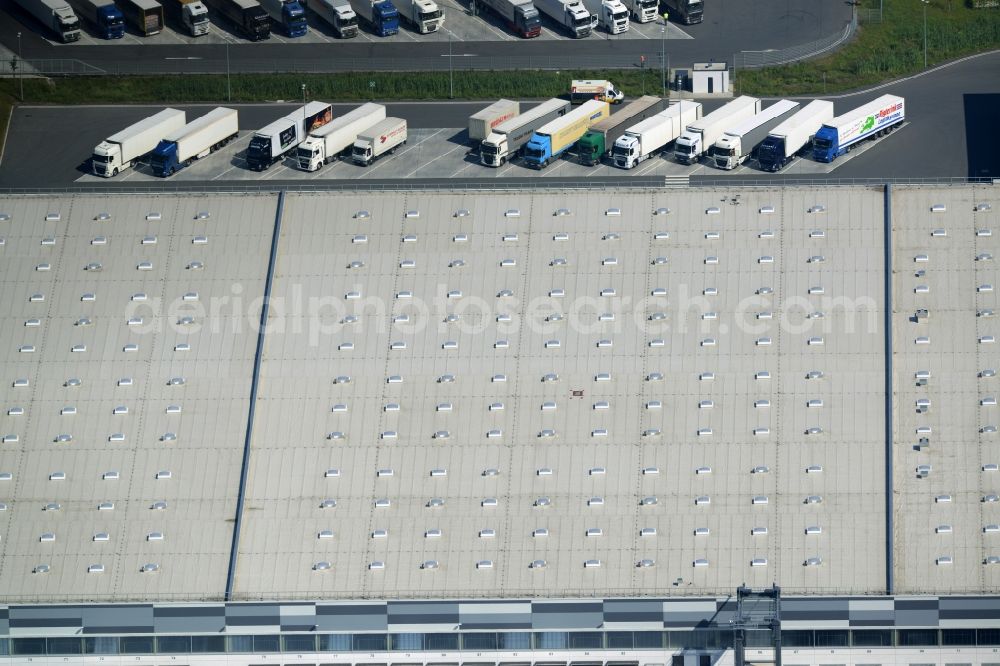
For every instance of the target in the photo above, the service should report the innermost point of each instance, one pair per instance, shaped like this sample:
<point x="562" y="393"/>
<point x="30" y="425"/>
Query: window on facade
<point x="407" y="642"/>
<point x="586" y="640"/>
<point x="479" y="641"/>
<point x="441" y="642"/>
<point x="100" y="645"/>
<point x="369" y="643"/>
<point x="267" y="643"/>
<point x="550" y="640"/>
<point x="28" y="646"/>
<point x="646" y="640"/>
<point x="64" y="645"/>
<point x="208" y="644"/>
<point x="298" y="643"/>
<point x="620" y="640"/>
<point x="334" y="642"/>
<point x="871" y="638"/>
<point x="758" y="639"/>
<point x="832" y="637"/>
<point x="796" y="639"/>
<point x="958" y="637"/>
<point x="136" y="645"/>
<point x="987" y="636"/>
<point x="173" y="644"/>
<point x="514" y="640"/>
<point x="917" y="637"/>
<point x="238" y="644"/>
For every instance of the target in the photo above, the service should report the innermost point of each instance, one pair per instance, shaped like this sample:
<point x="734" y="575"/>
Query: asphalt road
<point x="729" y="26"/>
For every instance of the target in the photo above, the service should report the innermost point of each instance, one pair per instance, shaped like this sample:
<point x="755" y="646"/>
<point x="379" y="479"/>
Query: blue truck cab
<point x="294" y="19"/>
<point x="163" y="159"/>
<point x="870" y="121"/>
<point x="111" y="22"/>
<point x="386" y="18"/>
<point x="537" y="152"/>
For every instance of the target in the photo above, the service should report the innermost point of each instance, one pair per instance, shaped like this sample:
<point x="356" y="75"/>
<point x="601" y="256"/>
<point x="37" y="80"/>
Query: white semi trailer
<point x="571" y="14"/>
<point x="269" y="144"/>
<point x="336" y="137"/>
<point x="123" y="149"/>
<point x="699" y="136"/>
<point x="738" y="143"/>
<point x="425" y="15"/>
<point x="642" y="141"/>
<point x="197" y="139"/>
<point x="482" y="122"/>
<point x="339" y="14"/>
<point x="612" y="15"/>
<point x="793" y="135"/>
<point x="507" y="138"/>
<point x="56" y="15"/>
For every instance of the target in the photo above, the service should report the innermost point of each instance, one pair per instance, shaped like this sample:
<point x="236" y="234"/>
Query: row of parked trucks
<point x="310" y="134"/>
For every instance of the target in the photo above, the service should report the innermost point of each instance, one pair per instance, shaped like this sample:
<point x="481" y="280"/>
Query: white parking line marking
<point x="433" y="160"/>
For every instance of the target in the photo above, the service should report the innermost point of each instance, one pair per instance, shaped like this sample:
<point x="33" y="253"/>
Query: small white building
<point x="710" y="77"/>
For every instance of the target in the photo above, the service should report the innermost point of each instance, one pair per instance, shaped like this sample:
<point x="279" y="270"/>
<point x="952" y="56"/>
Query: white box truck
<point x="284" y="135"/>
<point x="571" y="14"/>
<point x="738" y="143"/>
<point x="794" y="135"/>
<point x="870" y="121"/>
<point x="643" y="11"/>
<point x="612" y="15"/>
<point x="482" y="122"/>
<point x="122" y="150"/>
<point x="584" y="90"/>
<point x="339" y="14"/>
<point x="195" y="140"/>
<point x="507" y="138"/>
<point x="425" y="15"/>
<point x="56" y="15"/>
<point x="699" y="136"/>
<point x="642" y="141"/>
<point x="376" y="141"/>
<point x="336" y="137"/>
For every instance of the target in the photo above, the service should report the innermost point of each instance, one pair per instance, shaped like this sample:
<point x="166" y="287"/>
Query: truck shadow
<point x="322" y="27"/>
<point x="222" y="24"/>
<point x="485" y="14"/>
<point x="460" y="138"/>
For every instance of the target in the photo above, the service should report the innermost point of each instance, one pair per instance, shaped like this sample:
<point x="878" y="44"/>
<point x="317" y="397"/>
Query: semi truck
<point x="482" y="122"/>
<point x="103" y="15"/>
<point x="793" y="135"/>
<point x="289" y="14"/>
<point x="325" y="144"/>
<point x="425" y="15"/>
<point x="146" y="16"/>
<point x="122" y="150"/>
<point x="55" y="15"/>
<point x="339" y="14"/>
<point x="685" y="11"/>
<point x="193" y="14"/>
<point x="874" y="119"/>
<point x="699" y="136"/>
<point x="612" y="15"/>
<point x="384" y="137"/>
<point x="251" y="19"/>
<point x="556" y="137"/>
<point x="521" y="16"/>
<point x="643" y="11"/>
<point x="582" y="90"/>
<point x="380" y="15"/>
<point x="571" y="14"/>
<point x="599" y="139"/>
<point x="740" y="142"/>
<point x="271" y="143"/>
<point x="642" y="141"/>
<point x="507" y="138"/>
<point x="195" y="140"/>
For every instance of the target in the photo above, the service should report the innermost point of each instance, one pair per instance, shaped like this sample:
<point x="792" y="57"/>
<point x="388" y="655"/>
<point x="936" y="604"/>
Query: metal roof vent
<point x="99" y="240"/>
<point x="376" y="565"/>
<point x="432" y="534"/>
<point x="41" y="569"/>
<point x="328" y="504"/>
<point x="332" y="473"/>
<point x="148" y="240"/>
<point x="158" y="506"/>
<point x="95" y="568"/>
<point x="714" y="210"/>
<point x="153" y="217"/>
<point x="435" y="502"/>
<point x="21" y="383"/>
<point x="429" y="564"/>
<point x="700" y="562"/>
<point x="484" y="564"/>
<point x="52" y="506"/>
<point x="939" y="208"/>
<point x="412" y="214"/>
<point x="203" y="215"/>
<point x="116" y="437"/>
<point x="362" y="215"/>
<point x="130" y="347"/>
<point x="52" y="217"/>
<point x="322" y="566"/>
<point x="817" y="208"/>
<point x="462" y="212"/>
<point x="647" y="532"/>
<point x="813" y="562"/>
<point x="163" y="475"/>
<point x="537" y="564"/>
<point x="758" y="562"/>
<point x="766" y="210"/>
<point x="195" y="266"/>
<point x="491" y="471"/>
<point x="325" y="534"/>
<point x="149" y="567"/>
<point x="111" y="476"/>
<point x="944" y="560"/>
<point x="43" y="267"/>
<point x="613" y="212"/>
<point x="102" y="536"/>
<point x="5" y="217"/>
<point x="57" y="476"/>
<point x="360" y="238"/>
<point x="199" y="240"/>
<point x="47" y="537"/>
<point x="110" y="506"/>
<point x="48" y="241"/>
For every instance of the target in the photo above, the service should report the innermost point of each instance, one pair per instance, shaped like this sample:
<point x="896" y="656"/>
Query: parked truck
<point x="425" y="15"/>
<point x="103" y="15"/>
<point x="327" y="143"/>
<point x="582" y="90"/>
<point x="482" y="122"/>
<point x="272" y="142"/>
<point x="642" y="11"/>
<point x="384" y="137"/>
<point x="571" y="14"/>
<point x="699" y="136"/>
<point x="289" y="14"/>
<point x="507" y="138"/>
<point x="558" y="136"/>
<point x="122" y="150"/>
<point x="193" y="14"/>
<point x="685" y="11"/>
<point x="55" y="15"/>
<point x="195" y="140"/>
<point x="612" y="15"/>
<point x="146" y="16"/>
<point x="874" y="119"/>
<point x="599" y="139"/>
<point x="521" y="16"/>
<point x="642" y="141"/>
<point x="794" y="135"/>
<point x="339" y="14"/>
<point x="251" y="19"/>
<point x="380" y="15"/>
<point x="739" y="143"/>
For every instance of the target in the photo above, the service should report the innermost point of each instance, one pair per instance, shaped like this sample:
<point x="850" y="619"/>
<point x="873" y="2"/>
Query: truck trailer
<point x="581" y="90"/>
<point x="643" y="11"/>
<point x="123" y="149"/>
<point x="289" y="14"/>
<point x="339" y="14"/>
<point x="376" y="141"/>
<point x="874" y="119"/>
<point x="612" y="15"/>
<point x="103" y="15"/>
<point x="269" y="144"/>
<point x="425" y="15"/>
<point x="642" y="141"/>
<point x="685" y="11"/>
<point x="248" y="15"/>
<point x="195" y="140"/>
<point x="521" y="16"/>
<point x="558" y="136"/>
<point x="327" y="143"/>
<point x="599" y="139"/>
<point x="740" y="142"/>
<point x="380" y="15"/>
<point x="571" y="14"/>
<point x="55" y="15"/>
<point x="146" y="16"/>
<point x="793" y="135"/>
<point x="698" y="137"/>
<point x="482" y="122"/>
<point x="507" y="138"/>
<point x="193" y="14"/>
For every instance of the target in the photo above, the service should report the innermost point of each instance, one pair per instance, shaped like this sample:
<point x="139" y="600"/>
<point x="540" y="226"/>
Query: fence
<point x="772" y="57"/>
